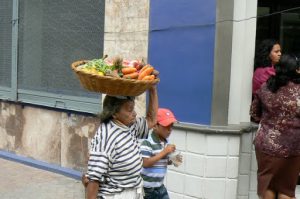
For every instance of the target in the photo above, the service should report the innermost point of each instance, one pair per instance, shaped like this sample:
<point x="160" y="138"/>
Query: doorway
<point x="283" y="25"/>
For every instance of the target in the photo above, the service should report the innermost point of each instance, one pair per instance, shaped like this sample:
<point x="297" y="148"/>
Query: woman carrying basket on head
<point x="114" y="161"/>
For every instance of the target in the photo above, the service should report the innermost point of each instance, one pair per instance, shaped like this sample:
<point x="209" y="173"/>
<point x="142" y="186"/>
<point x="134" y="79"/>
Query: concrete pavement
<point x="19" y="181"/>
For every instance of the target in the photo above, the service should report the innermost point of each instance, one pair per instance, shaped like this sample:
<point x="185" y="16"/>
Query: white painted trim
<point x="243" y="45"/>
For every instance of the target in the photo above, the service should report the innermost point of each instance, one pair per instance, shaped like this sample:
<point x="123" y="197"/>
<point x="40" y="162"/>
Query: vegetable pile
<point x="119" y="68"/>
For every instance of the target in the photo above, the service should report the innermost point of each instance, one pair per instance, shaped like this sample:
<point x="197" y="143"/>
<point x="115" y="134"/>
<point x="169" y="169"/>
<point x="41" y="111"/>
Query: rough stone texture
<point x="210" y="165"/>
<point x="41" y="135"/>
<point x="47" y="135"/>
<point x="126" y="28"/>
<point x="77" y="130"/>
<point x="126" y="33"/>
<point x="11" y="126"/>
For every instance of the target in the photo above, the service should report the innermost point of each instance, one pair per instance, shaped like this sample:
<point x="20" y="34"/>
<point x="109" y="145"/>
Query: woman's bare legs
<point x="269" y="194"/>
<point x="282" y="196"/>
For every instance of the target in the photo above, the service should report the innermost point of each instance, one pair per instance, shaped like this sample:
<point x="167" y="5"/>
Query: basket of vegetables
<point x="115" y="77"/>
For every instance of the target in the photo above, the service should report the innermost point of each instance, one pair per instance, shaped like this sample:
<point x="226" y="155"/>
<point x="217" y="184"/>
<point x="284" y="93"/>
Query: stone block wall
<point x="126" y="33"/>
<point x="210" y="167"/>
<point x="126" y="28"/>
<point x="247" y="167"/>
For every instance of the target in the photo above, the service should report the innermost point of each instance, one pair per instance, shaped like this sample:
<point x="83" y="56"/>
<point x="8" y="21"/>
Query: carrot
<point x="149" y="77"/>
<point x="128" y="70"/>
<point x="131" y="75"/>
<point x="144" y="68"/>
<point x="146" y="72"/>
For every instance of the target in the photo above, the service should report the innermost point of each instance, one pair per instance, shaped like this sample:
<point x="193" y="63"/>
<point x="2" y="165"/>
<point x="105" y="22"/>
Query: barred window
<point x="5" y="42"/>
<point x="51" y="35"/>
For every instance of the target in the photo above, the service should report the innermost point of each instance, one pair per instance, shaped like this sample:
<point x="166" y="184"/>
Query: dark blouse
<point x="279" y="116"/>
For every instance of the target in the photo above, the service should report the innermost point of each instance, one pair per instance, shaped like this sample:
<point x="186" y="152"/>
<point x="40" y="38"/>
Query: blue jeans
<point x="156" y="193"/>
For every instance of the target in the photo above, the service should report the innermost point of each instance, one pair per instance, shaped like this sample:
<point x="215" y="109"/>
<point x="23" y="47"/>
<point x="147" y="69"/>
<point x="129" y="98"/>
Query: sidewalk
<point x="19" y="181"/>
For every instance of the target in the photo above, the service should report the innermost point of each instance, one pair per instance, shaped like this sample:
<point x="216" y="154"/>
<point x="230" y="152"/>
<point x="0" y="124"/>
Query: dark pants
<point x="156" y="193"/>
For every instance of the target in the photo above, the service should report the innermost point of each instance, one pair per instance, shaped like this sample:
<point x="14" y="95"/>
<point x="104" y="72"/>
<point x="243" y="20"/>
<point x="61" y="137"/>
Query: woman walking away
<point x="276" y="106"/>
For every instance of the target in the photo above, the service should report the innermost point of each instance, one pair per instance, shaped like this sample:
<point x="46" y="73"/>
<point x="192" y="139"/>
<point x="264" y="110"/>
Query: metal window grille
<point x="5" y="42"/>
<point x="51" y="35"/>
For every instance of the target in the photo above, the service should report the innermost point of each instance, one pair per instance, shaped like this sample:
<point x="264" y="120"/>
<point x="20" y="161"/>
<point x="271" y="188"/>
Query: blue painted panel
<point x="182" y="49"/>
<point x="168" y="13"/>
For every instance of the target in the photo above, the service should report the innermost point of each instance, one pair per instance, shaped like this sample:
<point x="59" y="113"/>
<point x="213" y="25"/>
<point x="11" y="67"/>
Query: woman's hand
<point x="92" y="189"/>
<point x="170" y="148"/>
<point x="84" y="180"/>
<point x="152" y="88"/>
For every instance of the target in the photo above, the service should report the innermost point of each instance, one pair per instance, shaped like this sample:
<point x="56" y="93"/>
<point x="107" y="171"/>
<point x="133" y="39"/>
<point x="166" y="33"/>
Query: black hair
<point x="263" y="50"/>
<point x="112" y="105"/>
<point x="285" y="72"/>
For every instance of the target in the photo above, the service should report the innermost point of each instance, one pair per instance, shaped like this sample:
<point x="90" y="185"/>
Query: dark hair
<point x="262" y="53"/>
<point x="285" y="72"/>
<point x="112" y="105"/>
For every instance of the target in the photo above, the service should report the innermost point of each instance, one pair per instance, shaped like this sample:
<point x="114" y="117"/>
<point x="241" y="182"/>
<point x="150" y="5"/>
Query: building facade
<point x="204" y="51"/>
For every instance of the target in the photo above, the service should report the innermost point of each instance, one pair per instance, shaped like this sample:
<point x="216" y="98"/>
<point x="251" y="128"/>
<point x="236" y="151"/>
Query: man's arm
<point x="149" y="162"/>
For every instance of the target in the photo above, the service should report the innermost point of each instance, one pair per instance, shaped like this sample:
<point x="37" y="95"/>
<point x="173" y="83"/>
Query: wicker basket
<point x="111" y="85"/>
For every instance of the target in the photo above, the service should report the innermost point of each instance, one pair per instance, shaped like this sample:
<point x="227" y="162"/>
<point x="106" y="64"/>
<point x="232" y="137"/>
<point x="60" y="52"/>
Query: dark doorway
<point x="284" y="27"/>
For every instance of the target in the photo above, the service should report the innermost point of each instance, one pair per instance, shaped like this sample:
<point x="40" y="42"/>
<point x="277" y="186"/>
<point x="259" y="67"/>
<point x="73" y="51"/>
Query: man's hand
<point x="170" y="148"/>
<point x="149" y="162"/>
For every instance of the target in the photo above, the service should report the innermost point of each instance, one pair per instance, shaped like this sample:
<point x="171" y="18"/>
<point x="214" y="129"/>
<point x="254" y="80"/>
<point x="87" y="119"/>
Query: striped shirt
<point x="154" y="176"/>
<point x="115" y="159"/>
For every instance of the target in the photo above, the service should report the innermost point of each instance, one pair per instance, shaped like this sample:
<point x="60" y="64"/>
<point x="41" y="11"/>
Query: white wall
<point x="210" y="166"/>
<point x="243" y="47"/>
